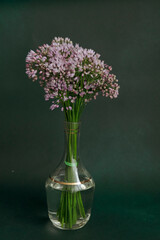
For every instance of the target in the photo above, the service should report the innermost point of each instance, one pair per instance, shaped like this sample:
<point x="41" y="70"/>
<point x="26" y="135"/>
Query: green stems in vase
<point x="71" y="205"/>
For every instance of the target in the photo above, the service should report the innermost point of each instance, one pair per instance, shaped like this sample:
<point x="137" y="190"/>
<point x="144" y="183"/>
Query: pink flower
<point x="82" y="94"/>
<point x="53" y="106"/>
<point x="70" y="88"/>
<point x="67" y="71"/>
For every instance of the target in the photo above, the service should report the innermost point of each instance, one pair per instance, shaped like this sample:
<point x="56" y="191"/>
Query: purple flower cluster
<point x="70" y="75"/>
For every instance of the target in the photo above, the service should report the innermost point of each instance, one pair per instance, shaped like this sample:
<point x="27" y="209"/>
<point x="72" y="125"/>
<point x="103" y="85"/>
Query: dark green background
<point x="119" y="138"/>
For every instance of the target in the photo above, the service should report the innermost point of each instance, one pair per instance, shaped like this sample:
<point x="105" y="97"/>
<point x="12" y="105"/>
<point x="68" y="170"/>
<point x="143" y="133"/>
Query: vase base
<point x="81" y="222"/>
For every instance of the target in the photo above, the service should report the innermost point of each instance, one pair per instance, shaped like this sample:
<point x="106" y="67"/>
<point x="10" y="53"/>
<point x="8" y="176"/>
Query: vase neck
<point x="72" y="136"/>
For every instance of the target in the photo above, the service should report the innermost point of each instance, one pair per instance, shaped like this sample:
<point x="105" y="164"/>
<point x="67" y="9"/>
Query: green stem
<point x="71" y="204"/>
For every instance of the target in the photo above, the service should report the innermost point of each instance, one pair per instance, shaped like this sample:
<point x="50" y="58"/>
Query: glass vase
<point x="70" y="189"/>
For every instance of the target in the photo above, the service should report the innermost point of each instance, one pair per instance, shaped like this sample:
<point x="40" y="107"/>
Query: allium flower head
<point x="70" y="74"/>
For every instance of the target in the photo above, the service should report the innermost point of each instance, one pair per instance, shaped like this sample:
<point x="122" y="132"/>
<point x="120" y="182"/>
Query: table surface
<point x="115" y="216"/>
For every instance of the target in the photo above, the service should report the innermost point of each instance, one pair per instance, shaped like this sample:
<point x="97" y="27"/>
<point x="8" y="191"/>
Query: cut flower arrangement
<point x="71" y="77"/>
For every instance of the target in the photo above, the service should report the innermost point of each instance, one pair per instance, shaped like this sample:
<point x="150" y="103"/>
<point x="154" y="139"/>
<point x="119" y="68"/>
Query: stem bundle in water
<point x="71" y="206"/>
<point x="70" y="209"/>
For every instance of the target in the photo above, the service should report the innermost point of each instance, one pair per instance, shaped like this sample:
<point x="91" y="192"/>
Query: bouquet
<point x="71" y="76"/>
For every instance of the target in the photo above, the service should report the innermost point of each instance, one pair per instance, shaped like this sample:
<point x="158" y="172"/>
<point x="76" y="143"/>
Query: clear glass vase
<point x="70" y="189"/>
